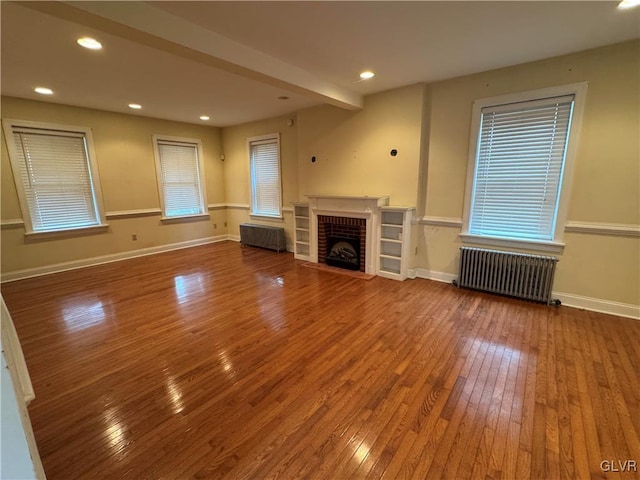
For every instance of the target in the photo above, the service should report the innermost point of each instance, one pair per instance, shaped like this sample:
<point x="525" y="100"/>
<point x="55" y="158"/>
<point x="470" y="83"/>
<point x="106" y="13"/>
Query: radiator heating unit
<point x="520" y="275"/>
<point x="263" y="236"/>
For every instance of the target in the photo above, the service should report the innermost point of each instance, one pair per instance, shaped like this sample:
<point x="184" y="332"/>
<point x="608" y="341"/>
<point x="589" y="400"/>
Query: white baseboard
<point x="433" y="275"/>
<point x="599" y="305"/>
<point x="568" y="300"/>
<point x="115" y="257"/>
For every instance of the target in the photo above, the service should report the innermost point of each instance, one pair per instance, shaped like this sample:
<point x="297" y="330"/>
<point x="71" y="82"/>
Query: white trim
<point x="233" y="238"/>
<point x="114" y="257"/>
<point x="616" y="229"/>
<point x="186" y="142"/>
<point x="433" y="275"/>
<point x="9" y="124"/>
<point x="536" y="245"/>
<point x="266" y="218"/>
<point x="593" y="228"/>
<point x="257" y="140"/>
<point x="12" y="223"/>
<point x="440" y="221"/>
<point x="599" y="305"/>
<point x="14" y="362"/>
<point x="69" y="232"/>
<point x="186" y="218"/>
<point x="568" y="300"/>
<point x="383" y="200"/>
<point x="216" y="206"/>
<point x="15" y="357"/>
<point x="142" y="212"/>
<point x="579" y="90"/>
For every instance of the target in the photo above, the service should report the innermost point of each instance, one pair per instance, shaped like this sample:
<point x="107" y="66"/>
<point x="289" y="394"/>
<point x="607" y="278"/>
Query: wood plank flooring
<point x="218" y="362"/>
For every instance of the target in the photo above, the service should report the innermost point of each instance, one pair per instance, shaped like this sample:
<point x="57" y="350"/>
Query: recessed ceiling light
<point x="43" y="91"/>
<point x="204" y="117"/>
<point x="135" y="106"/>
<point x="367" y="75"/>
<point x="90" y="43"/>
<point x="624" y="4"/>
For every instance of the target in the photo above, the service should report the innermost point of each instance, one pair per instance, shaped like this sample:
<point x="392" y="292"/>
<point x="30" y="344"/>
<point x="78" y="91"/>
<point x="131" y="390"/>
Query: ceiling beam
<point x="144" y="24"/>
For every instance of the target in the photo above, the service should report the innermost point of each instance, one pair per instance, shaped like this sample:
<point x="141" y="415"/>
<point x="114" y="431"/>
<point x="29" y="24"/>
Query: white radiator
<point x="514" y="274"/>
<point x="263" y="236"/>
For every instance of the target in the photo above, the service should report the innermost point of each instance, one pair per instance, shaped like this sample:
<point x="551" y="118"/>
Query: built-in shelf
<point x="301" y="224"/>
<point x="394" y="238"/>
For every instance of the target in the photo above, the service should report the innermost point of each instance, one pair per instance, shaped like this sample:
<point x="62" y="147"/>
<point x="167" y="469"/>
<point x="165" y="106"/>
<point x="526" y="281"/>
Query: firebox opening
<point x="343" y="253"/>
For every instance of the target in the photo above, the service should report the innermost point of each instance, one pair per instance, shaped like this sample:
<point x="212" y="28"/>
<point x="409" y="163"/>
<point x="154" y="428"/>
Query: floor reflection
<point x="116" y="430"/>
<point x="83" y="312"/>
<point x="187" y="286"/>
<point x="175" y="395"/>
<point x="270" y="301"/>
<point x="227" y="365"/>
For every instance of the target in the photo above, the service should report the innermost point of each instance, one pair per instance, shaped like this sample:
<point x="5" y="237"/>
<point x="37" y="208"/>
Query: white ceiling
<point x="231" y="60"/>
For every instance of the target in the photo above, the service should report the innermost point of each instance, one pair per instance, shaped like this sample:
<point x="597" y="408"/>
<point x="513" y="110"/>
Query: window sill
<point x="71" y="232"/>
<point x="185" y="218"/>
<point x="278" y="218"/>
<point x="539" y="245"/>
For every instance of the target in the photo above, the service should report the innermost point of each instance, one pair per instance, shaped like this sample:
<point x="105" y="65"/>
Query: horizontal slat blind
<point x="180" y="179"/>
<point x="519" y="167"/>
<point x="55" y="174"/>
<point x="265" y="178"/>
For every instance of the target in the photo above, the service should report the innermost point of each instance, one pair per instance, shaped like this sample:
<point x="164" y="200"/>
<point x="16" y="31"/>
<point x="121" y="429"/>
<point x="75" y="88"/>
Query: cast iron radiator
<point x="514" y="274"/>
<point x="263" y="236"/>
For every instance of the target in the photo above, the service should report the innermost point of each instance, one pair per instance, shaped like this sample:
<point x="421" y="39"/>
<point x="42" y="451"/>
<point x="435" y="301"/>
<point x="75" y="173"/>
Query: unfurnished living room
<point x="323" y="240"/>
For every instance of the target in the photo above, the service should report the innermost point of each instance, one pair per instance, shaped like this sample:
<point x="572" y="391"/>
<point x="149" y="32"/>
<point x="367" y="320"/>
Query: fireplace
<point x="345" y="229"/>
<point x="343" y="253"/>
<point x="345" y="216"/>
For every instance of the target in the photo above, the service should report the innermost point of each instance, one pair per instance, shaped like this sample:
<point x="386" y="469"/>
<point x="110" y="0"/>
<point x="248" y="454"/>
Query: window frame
<point x="204" y="213"/>
<point x="252" y="210"/>
<point x="579" y="91"/>
<point x="9" y="126"/>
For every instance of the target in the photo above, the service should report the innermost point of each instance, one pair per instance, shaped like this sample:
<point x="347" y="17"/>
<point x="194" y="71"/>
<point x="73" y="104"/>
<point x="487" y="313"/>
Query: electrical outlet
<point x="134" y="236"/>
<point x="416" y="251"/>
<point x="225" y="224"/>
<point x="215" y="225"/>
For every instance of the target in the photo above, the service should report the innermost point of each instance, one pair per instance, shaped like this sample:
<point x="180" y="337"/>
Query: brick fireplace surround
<point x="330" y="226"/>
<point x="351" y="216"/>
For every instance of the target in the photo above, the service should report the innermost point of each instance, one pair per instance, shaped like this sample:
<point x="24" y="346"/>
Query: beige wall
<point x="124" y="150"/>
<point x="236" y="171"/>
<point x="606" y="183"/>
<point x="428" y="125"/>
<point x="352" y="148"/>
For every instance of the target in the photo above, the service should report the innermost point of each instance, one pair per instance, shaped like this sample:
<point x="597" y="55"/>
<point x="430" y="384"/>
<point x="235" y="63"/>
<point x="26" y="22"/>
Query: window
<point x="519" y="166"/>
<point x="266" y="193"/>
<point x="56" y="176"/>
<point x="180" y="176"/>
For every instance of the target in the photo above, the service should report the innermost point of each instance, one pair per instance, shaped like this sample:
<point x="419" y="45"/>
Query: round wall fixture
<point x="290" y="122"/>
<point x="394" y="152"/>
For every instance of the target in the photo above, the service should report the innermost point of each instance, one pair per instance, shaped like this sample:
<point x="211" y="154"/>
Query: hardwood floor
<point x="211" y="363"/>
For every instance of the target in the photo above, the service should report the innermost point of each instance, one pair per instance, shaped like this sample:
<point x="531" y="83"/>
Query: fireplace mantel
<point x="348" y="203"/>
<point x="367" y="207"/>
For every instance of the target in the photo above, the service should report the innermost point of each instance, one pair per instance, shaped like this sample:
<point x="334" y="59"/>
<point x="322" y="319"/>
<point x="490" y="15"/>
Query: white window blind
<point x="180" y="178"/>
<point x="266" y="197"/>
<point x="519" y="167"/>
<point x="56" y="179"/>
